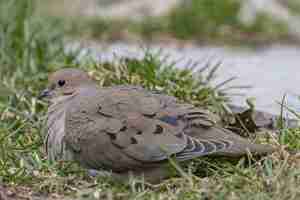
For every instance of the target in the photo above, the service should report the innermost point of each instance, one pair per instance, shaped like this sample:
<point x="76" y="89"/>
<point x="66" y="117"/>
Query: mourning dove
<point x="129" y="129"/>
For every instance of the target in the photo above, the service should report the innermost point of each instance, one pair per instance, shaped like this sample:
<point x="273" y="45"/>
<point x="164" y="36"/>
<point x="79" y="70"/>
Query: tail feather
<point x="202" y="147"/>
<point x="239" y="146"/>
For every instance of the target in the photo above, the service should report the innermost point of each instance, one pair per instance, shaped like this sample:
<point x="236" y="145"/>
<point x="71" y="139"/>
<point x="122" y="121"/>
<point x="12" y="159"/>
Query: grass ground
<point x="32" y="46"/>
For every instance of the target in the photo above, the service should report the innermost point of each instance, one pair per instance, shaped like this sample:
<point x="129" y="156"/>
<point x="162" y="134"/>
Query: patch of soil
<point x="21" y="193"/>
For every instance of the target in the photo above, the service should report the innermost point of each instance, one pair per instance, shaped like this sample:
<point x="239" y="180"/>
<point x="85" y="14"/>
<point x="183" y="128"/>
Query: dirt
<point x="24" y="193"/>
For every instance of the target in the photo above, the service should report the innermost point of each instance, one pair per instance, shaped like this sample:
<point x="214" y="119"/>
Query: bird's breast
<point x="54" y="142"/>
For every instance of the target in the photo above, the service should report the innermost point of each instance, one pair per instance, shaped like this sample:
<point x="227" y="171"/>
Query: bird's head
<point x="65" y="82"/>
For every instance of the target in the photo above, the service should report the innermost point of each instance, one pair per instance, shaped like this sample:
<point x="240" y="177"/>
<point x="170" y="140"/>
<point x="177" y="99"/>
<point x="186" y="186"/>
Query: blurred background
<point x="255" y="40"/>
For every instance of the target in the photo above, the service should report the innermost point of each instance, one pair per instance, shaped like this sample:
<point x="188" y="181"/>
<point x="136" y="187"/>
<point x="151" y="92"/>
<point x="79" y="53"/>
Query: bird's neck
<point x="59" y="103"/>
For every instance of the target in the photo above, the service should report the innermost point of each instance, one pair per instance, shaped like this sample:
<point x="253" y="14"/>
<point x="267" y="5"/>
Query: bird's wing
<point x="126" y="127"/>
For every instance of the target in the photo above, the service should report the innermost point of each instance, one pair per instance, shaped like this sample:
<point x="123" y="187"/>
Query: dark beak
<point x="44" y="94"/>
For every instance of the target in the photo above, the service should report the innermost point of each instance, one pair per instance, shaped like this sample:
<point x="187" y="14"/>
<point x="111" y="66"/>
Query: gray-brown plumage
<point x="127" y="128"/>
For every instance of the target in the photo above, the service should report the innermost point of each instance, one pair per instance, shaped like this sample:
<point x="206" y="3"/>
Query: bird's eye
<point x="61" y="83"/>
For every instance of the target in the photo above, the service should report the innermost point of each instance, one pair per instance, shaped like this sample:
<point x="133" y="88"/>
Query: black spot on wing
<point x="112" y="136"/>
<point x="169" y="120"/>
<point x="158" y="129"/>
<point x="133" y="140"/>
<point x="150" y="115"/>
<point x="124" y="128"/>
<point x="139" y="132"/>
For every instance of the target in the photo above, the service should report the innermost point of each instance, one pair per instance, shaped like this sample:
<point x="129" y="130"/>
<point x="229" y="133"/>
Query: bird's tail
<point x="240" y="146"/>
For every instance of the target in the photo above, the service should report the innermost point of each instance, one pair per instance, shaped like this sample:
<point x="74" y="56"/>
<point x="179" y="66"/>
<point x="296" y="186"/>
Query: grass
<point x="219" y="20"/>
<point x="32" y="46"/>
<point x="205" y="21"/>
